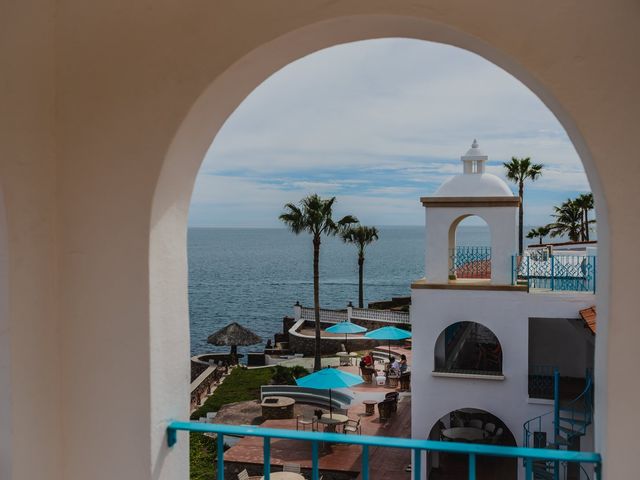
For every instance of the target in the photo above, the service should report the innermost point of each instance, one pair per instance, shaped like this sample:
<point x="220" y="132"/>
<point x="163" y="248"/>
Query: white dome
<point x="475" y="185"/>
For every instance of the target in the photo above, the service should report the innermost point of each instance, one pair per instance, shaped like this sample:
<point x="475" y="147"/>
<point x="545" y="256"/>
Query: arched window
<point x="468" y="347"/>
<point x="469" y="248"/>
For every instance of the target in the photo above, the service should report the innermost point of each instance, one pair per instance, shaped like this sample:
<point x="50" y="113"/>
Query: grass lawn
<point x="202" y="456"/>
<point x="241" y="385"/>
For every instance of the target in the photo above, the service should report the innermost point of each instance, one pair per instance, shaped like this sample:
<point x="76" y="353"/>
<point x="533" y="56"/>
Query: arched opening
<point x="468" y="348"/>
<point x="168" y="223"/>
<point x="471" y="425"/>
<point x="469" y="248"/>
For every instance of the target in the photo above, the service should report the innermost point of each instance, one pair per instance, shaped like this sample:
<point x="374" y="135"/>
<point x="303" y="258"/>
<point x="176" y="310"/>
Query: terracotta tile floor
<point x="384" y="463"/>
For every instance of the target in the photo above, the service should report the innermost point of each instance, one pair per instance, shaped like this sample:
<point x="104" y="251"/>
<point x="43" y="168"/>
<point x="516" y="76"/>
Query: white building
<point x="483" y="340"/>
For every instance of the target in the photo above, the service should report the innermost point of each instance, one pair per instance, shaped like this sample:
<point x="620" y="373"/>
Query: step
<point x="559" y="442"/>
<point x="577" y="421"/>
<point x="540" y="472"/>
<point x="571" y="432"/>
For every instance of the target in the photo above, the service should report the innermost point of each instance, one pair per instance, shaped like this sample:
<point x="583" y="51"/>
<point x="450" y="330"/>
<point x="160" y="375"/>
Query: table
<point x="331" y="422"/>
<point x="469" y="434"/>
<point x="285" y="476"/>
<point x="369" y="407"/>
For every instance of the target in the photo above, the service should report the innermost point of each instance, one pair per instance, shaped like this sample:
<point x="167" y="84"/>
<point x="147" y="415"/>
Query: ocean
<point x="254" y="276"/>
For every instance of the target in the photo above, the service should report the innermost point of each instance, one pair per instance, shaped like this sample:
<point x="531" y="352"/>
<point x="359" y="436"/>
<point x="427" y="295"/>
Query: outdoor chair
<point x="303" y="422"/>
<point x="291" y="467"/>
<point x="393" y="396"/>
<point x="368" y="374"/>
<point x="457" y="422"/>
<point x="490" y="427"/>
<point x="384" y="409"/>
<point x="352" y="426"/>
<point x="475" y="423"/>
<point x="496" y="437"/>
<point x="405" y="381"/>
<point x="244" y="475"/>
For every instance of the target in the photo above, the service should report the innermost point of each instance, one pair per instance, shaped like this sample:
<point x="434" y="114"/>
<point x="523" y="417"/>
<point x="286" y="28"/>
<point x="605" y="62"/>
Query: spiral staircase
<point x="570" y="422"/>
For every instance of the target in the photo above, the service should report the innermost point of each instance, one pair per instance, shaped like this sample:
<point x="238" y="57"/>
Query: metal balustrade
<point x="418" y="447"/>
<point x="389" y="316"/>
<point x="326" y="315"/>
<point x="567" y="273"/>
<point x="470" y="262"/>
<point x="335" y="316"/>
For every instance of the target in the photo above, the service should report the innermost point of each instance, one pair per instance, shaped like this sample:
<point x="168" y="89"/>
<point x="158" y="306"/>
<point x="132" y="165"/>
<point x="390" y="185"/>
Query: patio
<point x="339" y="461"/>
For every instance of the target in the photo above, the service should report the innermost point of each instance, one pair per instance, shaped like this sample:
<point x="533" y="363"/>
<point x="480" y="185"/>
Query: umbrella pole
<point x="330" y="406"/>
<point x="346" y="346"/>
<point x="389" y="350"/>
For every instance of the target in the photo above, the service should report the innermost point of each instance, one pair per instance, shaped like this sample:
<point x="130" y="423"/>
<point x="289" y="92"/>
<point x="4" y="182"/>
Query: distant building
<point x="489" y="327"/>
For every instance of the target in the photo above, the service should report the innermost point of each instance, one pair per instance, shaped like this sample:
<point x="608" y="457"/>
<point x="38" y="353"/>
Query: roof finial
<point x="474" y="144"/>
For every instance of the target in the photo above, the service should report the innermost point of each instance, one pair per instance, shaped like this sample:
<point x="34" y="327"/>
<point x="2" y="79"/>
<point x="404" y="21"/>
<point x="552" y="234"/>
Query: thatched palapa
<point x="233" y="335"/>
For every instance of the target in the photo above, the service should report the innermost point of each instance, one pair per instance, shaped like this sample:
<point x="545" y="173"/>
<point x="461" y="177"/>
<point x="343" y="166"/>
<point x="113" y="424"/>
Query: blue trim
<point x="418" y="446"/>
<point x="221" y="457"/>
<point x="266" y="457"/>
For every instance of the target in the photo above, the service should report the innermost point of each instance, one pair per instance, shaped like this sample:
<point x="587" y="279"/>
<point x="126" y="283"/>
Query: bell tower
<point x="473" y="192"/>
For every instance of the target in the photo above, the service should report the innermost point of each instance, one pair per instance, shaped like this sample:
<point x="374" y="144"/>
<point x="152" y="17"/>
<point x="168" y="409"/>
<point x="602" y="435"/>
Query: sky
<point x="378" y="124"/>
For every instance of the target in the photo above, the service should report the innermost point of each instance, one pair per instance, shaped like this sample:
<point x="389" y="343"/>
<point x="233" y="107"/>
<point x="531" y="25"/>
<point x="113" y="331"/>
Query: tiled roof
<point x="589" y="317"/>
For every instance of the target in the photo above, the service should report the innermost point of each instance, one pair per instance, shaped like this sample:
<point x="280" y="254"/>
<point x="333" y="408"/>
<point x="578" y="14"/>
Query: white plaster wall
<point x="502" y="223"/>
<point x="30" y="388"/>
<point x="507" y="315"/>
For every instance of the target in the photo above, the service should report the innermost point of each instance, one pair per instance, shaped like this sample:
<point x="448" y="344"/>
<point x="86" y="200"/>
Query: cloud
<point x="382" y="119"/>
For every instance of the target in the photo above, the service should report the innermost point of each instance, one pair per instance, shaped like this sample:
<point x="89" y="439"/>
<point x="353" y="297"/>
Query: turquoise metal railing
<point x="472" y="450"/>
<point x="470" y="262"/>
<point x="576" y="273"/>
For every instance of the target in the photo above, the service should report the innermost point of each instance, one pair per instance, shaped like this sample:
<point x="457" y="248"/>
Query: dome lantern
<point x="474" y="159"/>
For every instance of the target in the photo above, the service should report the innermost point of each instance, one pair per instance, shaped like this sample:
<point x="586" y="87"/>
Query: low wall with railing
<point x="354" y="314"/>
<point x="567" y="273"/>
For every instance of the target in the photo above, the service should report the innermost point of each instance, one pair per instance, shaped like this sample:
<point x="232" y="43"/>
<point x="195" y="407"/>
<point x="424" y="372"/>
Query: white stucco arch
<point x="167" y="250"/>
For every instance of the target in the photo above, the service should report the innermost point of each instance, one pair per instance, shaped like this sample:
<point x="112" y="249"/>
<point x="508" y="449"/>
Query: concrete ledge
<point x="423" y="284"/>
<point x="474" y="376"/>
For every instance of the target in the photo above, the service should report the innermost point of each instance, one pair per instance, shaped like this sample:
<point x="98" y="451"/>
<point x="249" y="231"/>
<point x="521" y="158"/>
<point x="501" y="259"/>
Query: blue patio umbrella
<point x="388" y="333"/>
<point x="346" y="328"/>
<point x="329" y="378"/>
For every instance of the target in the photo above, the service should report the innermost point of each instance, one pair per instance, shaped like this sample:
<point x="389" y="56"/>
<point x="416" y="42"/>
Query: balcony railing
<point x="470" y="262"/>
<point x="326" y="315"/>
<point x="388" y="316"/>
<point x="567" y="273"/>
<point x="472" y="450"/>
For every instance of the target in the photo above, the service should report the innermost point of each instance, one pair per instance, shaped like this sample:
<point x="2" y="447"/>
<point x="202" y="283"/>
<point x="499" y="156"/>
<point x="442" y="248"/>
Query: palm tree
<point x="568" y="221"/>
<point x="360" y="236"/>
<point x="539" y="232"/>
<point x="315" y="216"/>
<point x="585" y="203"/>
<point x="518" y="171"/>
